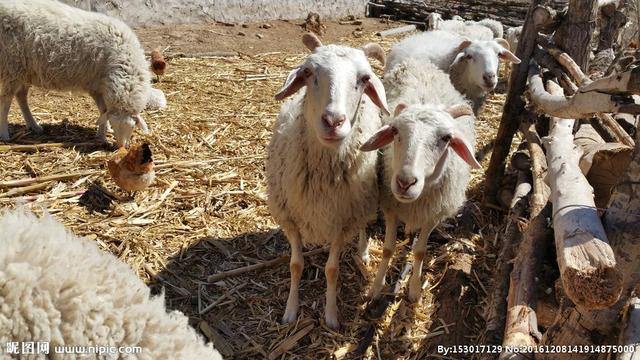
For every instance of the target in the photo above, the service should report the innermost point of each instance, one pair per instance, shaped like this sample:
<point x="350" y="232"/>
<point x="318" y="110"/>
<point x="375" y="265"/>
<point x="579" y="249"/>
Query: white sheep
<point x="61" y="289"/>
<point x="424" y="181"/>
<point x="512" y="35"/>
<point x="55" y="46"/>
<point x="433" y="21"/>
<point x="321" y="189"/>
<point x="472" y="65"/>
<point x="470" y="30"/>
<point x="494" y="25"/>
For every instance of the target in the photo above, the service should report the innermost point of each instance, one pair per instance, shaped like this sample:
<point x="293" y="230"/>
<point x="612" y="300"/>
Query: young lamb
<point x="58" y="288"/>
<point x="55" y="46"/>
<point x="472" y="65"/>
<point x="424" y="182"/>
<point x="322" y="190"/>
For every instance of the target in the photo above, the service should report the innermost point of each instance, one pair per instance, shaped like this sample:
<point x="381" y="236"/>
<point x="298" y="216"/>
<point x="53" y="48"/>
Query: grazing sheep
<point x="424" y="182"/>
<point x="322" y="190"/>
<point x="55" y="46"/>
<point x="58" y="288"/>
<point x="472" y="65"/>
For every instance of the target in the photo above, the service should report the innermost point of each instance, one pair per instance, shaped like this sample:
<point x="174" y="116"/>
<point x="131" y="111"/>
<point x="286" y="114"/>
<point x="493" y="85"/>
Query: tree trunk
<point x="574" y="34"/>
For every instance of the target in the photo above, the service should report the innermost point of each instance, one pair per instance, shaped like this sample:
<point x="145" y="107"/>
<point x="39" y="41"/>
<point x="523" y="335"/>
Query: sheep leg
<point x="296" y="265"/>
<point x="21" y="97"/>
<point x="390" y="235"/>
<point x="363" y="245"/>
<point x="331" y="269"/>
<point x="419" y="251"/>
<point x="5" y="105"/>
<point x="102" y="122"/>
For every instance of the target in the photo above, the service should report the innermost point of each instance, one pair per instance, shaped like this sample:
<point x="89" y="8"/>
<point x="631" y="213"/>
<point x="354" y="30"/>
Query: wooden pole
<point x="574" y="34"/>
<point x="513" y="107"/>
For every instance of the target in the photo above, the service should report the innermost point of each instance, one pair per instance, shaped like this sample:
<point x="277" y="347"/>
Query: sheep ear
<point x="399" y="109"/>
<point x="381" y="138"/>
<point x="464" y="150"/>
<point x="375" y="51"/>
<point x="141" y="123"/>
<point x="463" y="45"/>
<point x="311" y="41"/>
<point x="375" y="92"/>
<point x="296" y="80"/>
<point x="507" y="55"/>
<point x="504" y="43"/>
<point x="460" y="110"/>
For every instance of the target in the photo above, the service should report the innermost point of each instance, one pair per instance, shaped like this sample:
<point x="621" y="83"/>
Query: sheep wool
<point x="58" y="288"/>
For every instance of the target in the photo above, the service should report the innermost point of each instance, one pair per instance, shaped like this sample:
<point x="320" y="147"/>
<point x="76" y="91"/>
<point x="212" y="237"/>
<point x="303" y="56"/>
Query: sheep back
<point x="60" y="288"/>
<point x="55" y="46"/>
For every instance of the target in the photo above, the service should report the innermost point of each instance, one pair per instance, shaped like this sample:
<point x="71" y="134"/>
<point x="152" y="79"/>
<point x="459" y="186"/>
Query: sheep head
<point x="335" y="79"/>
<point x="422" y="136"/>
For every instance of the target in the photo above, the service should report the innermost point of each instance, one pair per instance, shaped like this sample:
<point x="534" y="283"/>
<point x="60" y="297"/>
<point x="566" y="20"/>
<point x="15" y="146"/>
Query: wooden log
<point x="396" y="31"/>
<point x="512" y="108"/>
<point x="496" y="311"/>
<point x="521" y="322"/>
<point x="574" y="34"/>
<point x="630" y="334"/>
<point x="602" y="163"/>
<point x="579" y="326"/>
<point x="580" y="105"/>
<point x="585" y="258"/>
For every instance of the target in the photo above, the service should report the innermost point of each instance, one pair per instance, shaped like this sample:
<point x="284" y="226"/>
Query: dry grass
<point x="206" y="213"/>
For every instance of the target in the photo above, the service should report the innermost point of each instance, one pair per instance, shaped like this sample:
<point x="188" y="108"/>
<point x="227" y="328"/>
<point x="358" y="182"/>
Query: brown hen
<point x="132" y="170"/>
<point x="158" y="64"/>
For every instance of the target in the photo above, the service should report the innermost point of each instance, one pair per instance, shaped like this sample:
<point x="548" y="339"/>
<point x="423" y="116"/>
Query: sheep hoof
<point x="289" y="317"/>
<point x="332" y="322"/>
<point x="37" y="129"/>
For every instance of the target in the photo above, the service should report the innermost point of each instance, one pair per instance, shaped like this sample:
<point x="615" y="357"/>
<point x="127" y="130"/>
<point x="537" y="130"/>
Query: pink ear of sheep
<point x="375" y="51"/>
<point x="381" y="138"/>
<point x="311" y="41"/>
<point x="504" y="43"/>
<point x="464" y="150"/>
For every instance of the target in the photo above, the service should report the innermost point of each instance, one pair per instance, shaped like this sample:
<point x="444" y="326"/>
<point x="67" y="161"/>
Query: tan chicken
<point x="132" y="170"/>
<point x="158" y="64"/>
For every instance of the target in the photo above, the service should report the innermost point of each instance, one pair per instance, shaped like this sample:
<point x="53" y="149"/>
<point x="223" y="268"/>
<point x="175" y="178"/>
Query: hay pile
<point x="206" y="213"/>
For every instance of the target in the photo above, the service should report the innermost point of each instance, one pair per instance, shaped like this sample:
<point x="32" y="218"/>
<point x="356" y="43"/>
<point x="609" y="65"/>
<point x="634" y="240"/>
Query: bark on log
<point x="586" y="260"/>
<point x="497" y="306"/>
<point x="578" y="326"/>
<point x="521" y="323"/>
<point x="574" y="34"/>
<point x="514" y="106"/>
<point x="602" y="163"/>
<point x="580" y="105"/>
<point x="630" y="334"/>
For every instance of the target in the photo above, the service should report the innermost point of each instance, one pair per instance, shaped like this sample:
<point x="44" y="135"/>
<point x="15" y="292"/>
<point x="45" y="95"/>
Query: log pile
<point x="584" y="176"/>
<point x="508" y="12"/>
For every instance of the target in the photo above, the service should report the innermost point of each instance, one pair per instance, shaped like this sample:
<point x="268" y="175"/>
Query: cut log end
<point x="597" y="289"/>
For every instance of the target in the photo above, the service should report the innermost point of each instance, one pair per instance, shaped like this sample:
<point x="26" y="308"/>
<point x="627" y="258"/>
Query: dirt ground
<point x="207" y="213"/>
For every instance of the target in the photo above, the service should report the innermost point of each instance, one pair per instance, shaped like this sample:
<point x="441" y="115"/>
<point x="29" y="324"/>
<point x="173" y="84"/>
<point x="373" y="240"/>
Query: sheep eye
<point x="446" y="138"/>
<point x="365" y="78"/>
<point x="469" y="56"/>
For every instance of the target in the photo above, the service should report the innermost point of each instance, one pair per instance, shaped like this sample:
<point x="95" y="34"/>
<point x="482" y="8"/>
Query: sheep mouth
<point x="404" y="198"/>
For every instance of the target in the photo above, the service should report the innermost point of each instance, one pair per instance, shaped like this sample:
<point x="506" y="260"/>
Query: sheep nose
<point x="333" y="121"/>
<point x="489" y="79"/>
<point x="404" y="183"/>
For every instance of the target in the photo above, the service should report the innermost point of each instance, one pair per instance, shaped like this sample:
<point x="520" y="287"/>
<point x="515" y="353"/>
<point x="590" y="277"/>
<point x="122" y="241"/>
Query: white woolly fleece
<point x="414" y="82"/>
<point x="57" y="287"/>
<point x="52" y="45"/>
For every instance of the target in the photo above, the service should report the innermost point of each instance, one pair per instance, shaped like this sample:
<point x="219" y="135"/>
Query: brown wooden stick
<point x="270" y="263"/>
<point x="35" y="180"/>
<point x="288" y="343"/>
<point x="513" y="107"/>
<point x="25" y="190"/>
<point x="46" y="146"/>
